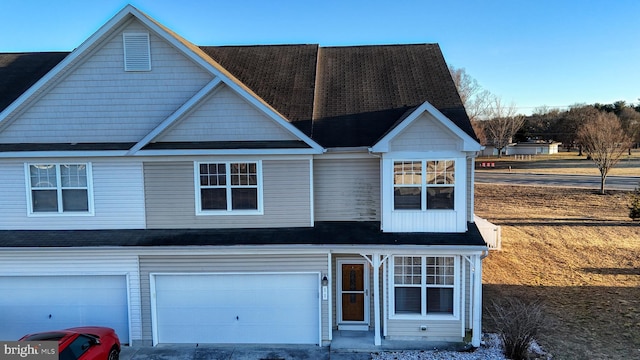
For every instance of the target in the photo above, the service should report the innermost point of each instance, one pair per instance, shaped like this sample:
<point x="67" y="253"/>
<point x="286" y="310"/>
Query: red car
<point x="82" y="343"/>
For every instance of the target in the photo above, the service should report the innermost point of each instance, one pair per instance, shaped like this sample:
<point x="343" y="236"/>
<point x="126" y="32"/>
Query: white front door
<point x="236" y="308"/>
<point x="353" y="294"/>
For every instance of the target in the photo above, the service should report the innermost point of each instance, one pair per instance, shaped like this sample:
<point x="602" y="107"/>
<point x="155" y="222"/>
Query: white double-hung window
<point x="424" y="285"/>
<point x="229" y="187"/>
<point x="59" y="188"/>
<point x="423" y="185"/>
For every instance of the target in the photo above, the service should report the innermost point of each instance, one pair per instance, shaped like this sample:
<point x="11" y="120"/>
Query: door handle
<point x="366" y="292"/>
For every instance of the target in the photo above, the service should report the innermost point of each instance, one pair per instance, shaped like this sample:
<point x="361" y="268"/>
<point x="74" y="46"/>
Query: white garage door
<point x="237" y="308"/>
<point x="39" y="303"/>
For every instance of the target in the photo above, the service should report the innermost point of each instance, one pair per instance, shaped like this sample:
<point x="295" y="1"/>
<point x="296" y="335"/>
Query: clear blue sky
<point x="536" y="52"/>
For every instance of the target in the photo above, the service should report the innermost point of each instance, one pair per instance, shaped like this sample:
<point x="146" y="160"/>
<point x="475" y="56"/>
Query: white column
<point x="377" y="338"/>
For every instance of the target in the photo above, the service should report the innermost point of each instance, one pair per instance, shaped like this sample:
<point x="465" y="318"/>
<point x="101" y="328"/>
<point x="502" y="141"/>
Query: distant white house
<point x="539" y="147"/>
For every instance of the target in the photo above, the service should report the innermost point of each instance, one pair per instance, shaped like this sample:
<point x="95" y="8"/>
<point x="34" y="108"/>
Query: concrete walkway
<point x="346" y="345"/>
<point x="228" y="352"/>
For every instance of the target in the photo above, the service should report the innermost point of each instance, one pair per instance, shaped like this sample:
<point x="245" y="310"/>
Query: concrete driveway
<point x="237" y="352"/>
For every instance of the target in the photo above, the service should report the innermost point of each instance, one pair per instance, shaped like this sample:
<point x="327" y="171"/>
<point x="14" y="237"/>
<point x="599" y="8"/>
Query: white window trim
<point x="423" y="286"/>
<point x="423" y="186"/>
<point x="60" y="212"/>
<point x="229" y="211"/>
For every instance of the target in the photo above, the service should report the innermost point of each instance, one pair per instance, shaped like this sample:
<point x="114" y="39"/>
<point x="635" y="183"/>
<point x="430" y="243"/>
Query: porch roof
<point x="323" y="233"/>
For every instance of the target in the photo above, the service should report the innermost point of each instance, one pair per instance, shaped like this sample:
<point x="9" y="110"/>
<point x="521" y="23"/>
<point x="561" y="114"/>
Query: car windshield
<point x="50" y="336"/>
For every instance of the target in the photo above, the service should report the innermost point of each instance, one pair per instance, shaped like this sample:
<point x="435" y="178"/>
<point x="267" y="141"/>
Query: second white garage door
<point x="236" y="308"/>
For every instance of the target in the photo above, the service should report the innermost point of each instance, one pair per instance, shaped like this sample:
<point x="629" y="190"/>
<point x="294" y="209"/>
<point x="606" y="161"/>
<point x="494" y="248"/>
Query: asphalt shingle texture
<point x="323" y="233"/>
<point x="339" y="96"/>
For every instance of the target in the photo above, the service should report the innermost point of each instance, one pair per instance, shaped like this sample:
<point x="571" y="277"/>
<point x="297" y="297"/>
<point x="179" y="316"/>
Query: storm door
<point x="353" y="295"/>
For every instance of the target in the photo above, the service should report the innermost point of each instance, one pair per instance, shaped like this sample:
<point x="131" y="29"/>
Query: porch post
<point x="377" y="338"/>
<point x="477" y="301"/>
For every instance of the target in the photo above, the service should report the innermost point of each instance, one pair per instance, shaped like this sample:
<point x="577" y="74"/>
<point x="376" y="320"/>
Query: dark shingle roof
<point x="363" y="90"/>
<point x="323" y="233"/>
<point x="282" y="75"/>
<point x="339" y="96"/>
<point x="18" y="71"/>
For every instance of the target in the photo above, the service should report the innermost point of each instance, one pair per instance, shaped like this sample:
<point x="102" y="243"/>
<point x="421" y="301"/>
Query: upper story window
<point x="59" y="188"/>
<point x="423" y="185"/>
<point x="229" y="187"/>
<point x="424" y="285"/>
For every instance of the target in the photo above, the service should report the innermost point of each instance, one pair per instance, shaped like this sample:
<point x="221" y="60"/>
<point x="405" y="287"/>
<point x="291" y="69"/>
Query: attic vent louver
<point x="137" y="53"/>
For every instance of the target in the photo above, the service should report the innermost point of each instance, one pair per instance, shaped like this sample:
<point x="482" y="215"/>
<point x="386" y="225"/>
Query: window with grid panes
<point x="228" y="186"/>
<point x="423" y="185"/>
<point x="423" y="285"/>
<point x="59" y="188"/>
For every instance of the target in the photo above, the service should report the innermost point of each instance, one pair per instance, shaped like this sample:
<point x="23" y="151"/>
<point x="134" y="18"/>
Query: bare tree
<point x="604" y="141"/>
<point x="478" y="128"/>
<point x="570" y="122"/>
<point x="630" y="120"/>
<point x="475" y="99"/>
<point x="503" y="124"/>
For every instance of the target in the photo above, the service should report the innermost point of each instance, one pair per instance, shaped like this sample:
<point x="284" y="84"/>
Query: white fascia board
<point x="353" y="153"/>
<point x="469" y="143"/>
<point x="228" y="79"/>
<point x="407" y="155"/>
<point x="75" y="54"/>
<point x="197" y="152"/>
<point x="173" y="118"/>
<point x="63" y="154"/>
<point x="268" y="249"/>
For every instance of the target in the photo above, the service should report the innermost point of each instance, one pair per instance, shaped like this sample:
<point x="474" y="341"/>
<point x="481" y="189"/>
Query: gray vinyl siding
<point x="117" y="189"/>
<point x="226" y="116"/>
<point x="227" y="263"/>
<point x="75" y="262"/>
<point x="97" y="101"/>
<point x="347" y="189"/>
<point x="424" y="134"/>
<point x="467" y="291"/>
<point x="170" y="197"/>
<point x="437" y="330"/>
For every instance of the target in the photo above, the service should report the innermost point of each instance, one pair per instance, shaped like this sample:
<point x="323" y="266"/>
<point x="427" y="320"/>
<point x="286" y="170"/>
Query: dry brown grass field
<point x="576" y="251"/>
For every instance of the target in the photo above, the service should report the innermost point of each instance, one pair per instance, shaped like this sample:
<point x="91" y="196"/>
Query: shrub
<point x="518" y="322"/>
<point x="634" y="206"/>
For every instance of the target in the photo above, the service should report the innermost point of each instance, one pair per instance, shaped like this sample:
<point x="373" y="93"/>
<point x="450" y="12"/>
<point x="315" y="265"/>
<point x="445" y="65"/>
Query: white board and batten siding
<point x="425" y="139"/>
<point x="226" y="116"/>
<point x="170" y="195"/>
<point x="118" y="197"/>
<point x="98" y="101"/>
<point x="73" y="288"/>
<point x="430" y="220"/>
<point x="347" y="189"/>
<point x="268" y="265"/>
